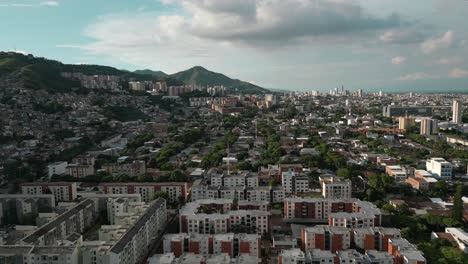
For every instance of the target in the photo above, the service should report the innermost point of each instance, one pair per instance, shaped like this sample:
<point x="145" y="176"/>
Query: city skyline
<point x="294" y="44"/>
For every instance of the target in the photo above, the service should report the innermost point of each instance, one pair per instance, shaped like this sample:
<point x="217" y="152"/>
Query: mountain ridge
<point x="42" y="73"/>
<point x="199" y="75"/>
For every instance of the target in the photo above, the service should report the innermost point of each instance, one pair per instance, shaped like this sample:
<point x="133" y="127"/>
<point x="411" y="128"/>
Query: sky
<point x="389" y="45"/>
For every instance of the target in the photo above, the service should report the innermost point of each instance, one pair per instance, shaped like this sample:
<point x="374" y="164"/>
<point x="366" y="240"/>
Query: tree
<point x="272" y="183"/>
<point x="244" y="165"/>
<point x="457" y="210"/>
<point x="343" y="172"/>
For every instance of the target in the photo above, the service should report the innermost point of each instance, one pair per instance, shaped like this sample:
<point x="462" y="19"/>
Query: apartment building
<point x="62" y="191"/>
<point x="75" y="220"/>
<point x="293" y="183"/>
<point x="24" y="204"/>
<point x="418" y="183"/>
<point x="398" y="172"/>
<point x="133" y="246"/>
<point x="429" y="126"/>
<point x="440" y="168"/>
<point x="404" y="252"/>
<point x="374" y="238"/>
<point x="101" y="199"/>
<point x="335" y="187"/>
<point x="318" y="256"/>
<point x="57" y="168"/>
<point x="207" y="244"/>
<point x="241" y="179"/>
<point x="176" y="190"/>
<point x="216" y="216"/>
<point x="81" y="166"/>
<point x="346" y="213"/>
<point x="132" y="168"/>
<point x="325" y="238"/>
<point x="34" y="254"/>
<point x="274" y="194"/>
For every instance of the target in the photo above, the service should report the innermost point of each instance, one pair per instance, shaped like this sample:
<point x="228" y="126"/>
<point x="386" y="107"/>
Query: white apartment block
<point x="75" y="220"/>
<point x="79" y="171"/>
<point x="63" y="191"/>
<point x="133" y="245"/>
<point x="175" y="190"/>
<point x="335" y="212"/>
<point x="378" y="257"/>
<point x="215" y="216"/>
<point x="293" y="183"/>
<point x="334" y="187"/>
<point x="57" y="168"/>
<point x="31" y="254"/>
<point x="351" y="256"/>
<point x="292" y="256"/>
<point x="440" y="168"/>
<point x="261" y="193"/>
<point x="238" y="180"/>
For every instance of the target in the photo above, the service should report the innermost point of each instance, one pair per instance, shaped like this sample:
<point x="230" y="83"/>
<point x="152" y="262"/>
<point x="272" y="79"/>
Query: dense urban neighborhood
<point x="104" y="166"/>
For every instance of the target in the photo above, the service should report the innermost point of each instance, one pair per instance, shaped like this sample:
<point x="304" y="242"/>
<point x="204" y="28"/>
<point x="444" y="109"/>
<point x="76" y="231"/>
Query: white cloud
<point x="49" y="3"/>
<point x="417" y="77"/>
<point x="450" y="61"/>
<point x="458" y="73"/>
<point x="398" y="60"/>
<point x="404" y="35"/>
<point x="44" y="3"/>
<point x="218" y="28"/>
<point x="434" y="44"/>
<point x="16" y="5"/>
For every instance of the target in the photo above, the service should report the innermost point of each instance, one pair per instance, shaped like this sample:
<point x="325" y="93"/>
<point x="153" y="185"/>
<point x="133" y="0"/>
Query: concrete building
<point x="325" y="238"/>
<point x="404" y="252"/>
<point x="351" y="256"/>
<point x="457" y="112"/>
<point x="418" y="183"/>
<point x="234" y="180"/>
<point x="216" y="216"/>
<point x="440" y="168"/>
<point x="346" y="213"/>
<point x="75" y="220"/>
<point x="398" y="172"/>
<point x="274" y="194"/>
<point x="176" y="190"/>
<point x="292" y="256"/>
<point x="429" y="126"/>
<point x="405" y="122"/>
<point x="293" y="183"/>
<point x="133" y="246"/>
<point x="207" y="244"/>
<point x="57" y="168"/>
<point x="63" y="191"/>
<point x="460" y="237"/>
<point x="374" y="238"/>
<point x="19" y="205"/>
<point x="335" y="188"/>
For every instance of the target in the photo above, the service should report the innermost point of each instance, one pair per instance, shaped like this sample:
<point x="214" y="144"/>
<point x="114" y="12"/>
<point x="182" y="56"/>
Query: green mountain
<point x="19" y="70"/>
<point x="39" y="73"/>
<point x="157" y="74"/>
<point x="201" y="76"/>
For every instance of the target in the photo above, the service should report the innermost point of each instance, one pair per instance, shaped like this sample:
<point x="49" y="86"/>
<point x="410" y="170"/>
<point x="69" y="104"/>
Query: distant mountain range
<point x="40" y="73"/>
<point x="201" y="76"/>
<point x="157" y="74"/>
